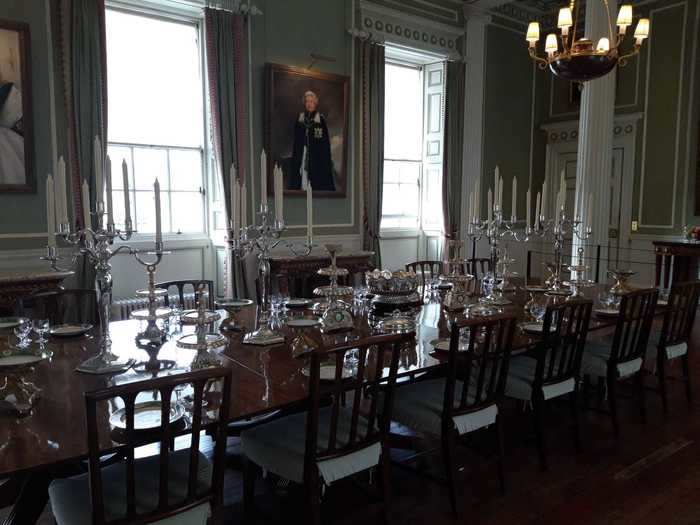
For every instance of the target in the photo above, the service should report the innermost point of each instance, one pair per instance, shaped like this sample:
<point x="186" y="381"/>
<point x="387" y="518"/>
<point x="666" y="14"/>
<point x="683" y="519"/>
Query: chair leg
<point x="586" y="391"/>
<point x="501" y="454"/>
<point x="537" y="407"/>
<point x="642" y="395"/>
<point x="661" y="374"/>
<point x="249" y="473"/>
<point x="573" y="402"/>
<point x="686" y="377"/>
<point x="386" y="483"/>
<point x="313" y="498"/>
<point x="448" y="457"/>
<point x="600" y="392"/>
<point x="612" y="401"/>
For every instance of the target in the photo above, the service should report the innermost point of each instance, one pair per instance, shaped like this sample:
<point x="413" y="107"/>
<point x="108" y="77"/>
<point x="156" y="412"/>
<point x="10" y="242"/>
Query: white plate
<point x="298" y="303"/>
<point x="10" y="322"/>
<point x="20" y="360"/>
<point x="70" y="330"/>
<point x="303" y="323"/>
<point x="534" y="328"/>
<point x="607" y="312"/>
<point x="662" y="302"/>
<point x="146" y="415"/>
<point x="327" y="372"/>
<point x="441" y="344"/>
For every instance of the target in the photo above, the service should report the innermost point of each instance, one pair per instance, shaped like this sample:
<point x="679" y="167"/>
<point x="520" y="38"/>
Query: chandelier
<point x="580" y="60"/>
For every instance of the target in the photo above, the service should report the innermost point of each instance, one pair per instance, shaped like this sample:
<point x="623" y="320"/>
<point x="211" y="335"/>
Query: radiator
<point x="122" y="308"/>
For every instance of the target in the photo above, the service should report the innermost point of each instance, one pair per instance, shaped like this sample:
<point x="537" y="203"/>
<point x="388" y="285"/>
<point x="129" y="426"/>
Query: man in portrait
<point x="311" y="131"/>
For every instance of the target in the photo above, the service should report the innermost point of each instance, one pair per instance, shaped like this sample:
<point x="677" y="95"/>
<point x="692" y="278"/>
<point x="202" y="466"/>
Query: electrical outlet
<point x="635" y="226"/>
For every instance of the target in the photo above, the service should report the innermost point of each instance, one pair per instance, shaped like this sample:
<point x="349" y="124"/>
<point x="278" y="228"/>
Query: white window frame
<point x="180" y="13"/>
<point x="414" y="59"/>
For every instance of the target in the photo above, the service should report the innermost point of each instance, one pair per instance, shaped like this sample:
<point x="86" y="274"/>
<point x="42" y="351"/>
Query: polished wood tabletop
<point x="264" y="378"/>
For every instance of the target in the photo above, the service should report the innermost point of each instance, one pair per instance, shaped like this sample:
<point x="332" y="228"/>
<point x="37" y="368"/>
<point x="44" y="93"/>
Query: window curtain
<point x="454" y="142"/>
<point x="371" y="74"/>
<point x="225" y="32"/>
<point x="83" y="58"/>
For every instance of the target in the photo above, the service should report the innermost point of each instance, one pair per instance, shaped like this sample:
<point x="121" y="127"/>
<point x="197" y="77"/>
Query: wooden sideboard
<point x="676" y="261"/>
<point x="17" y="284"/>
<point x="297" y="275"/>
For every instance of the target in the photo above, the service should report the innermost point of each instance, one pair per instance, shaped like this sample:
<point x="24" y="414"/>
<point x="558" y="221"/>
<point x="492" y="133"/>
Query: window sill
<point x="170" y="241"/>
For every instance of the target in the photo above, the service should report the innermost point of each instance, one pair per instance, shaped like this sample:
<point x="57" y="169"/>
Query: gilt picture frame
<point x="16" y="132"/>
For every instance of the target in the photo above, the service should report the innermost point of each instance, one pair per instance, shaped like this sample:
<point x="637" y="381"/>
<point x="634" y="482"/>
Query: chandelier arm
<point x="610" y="27"/>
<point x="577" y="5"/>
<point x="542" y="62"/>
<point x="622" y="61"/>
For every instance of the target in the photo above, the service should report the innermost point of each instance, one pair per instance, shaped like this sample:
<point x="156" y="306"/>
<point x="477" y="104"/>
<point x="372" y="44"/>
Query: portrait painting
<point x="306" y="129"/>
<point x="16" y="172"/>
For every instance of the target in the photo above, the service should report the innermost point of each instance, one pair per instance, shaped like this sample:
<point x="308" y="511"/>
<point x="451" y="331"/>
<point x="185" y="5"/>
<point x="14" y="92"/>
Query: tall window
<point x="413" y="119"/>
<point x="156" y="119"/>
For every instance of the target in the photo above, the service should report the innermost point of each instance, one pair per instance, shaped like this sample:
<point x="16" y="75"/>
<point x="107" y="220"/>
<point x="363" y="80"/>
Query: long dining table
<point x="265" y="379"/>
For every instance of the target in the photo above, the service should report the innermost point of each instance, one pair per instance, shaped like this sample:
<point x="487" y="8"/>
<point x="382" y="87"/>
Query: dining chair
<point x="340" y="434"/>
<point x="61" y="306"/>
<point x="623" y="358"/>
<point x="674" y="338"/>
<point x="551" y="370"/>
<point x="478" y="267"/>
<point x="468" y="397"/>
<point x="171" y="487"/>
<point x="427" y="270"/>
<point x="185" y="284"/>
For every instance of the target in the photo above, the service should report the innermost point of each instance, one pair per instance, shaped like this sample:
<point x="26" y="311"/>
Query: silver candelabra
<point x="97" y="245"/>
<point x="263" y="237"/>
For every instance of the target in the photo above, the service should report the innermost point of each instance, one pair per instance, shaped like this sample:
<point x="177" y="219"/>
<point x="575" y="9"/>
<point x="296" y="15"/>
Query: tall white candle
<point x="528" y="206"/>
<point x="497" y="180"/>
<point x="538" y="211"/>
<point x="279" y="214"/>
<point x="108" y="179"/>
<point x="61" y="196"/>
<point x="263" y="178"/>
<point x="514" y="200"/>
<point x="309" y="211"/>
<point x="302" y="170"/>
<point x="159" y="230"/>
<point x="99" y="192"/>
<point x="244" y="207"/>
<point x="489" y="206"/>
<point x="543" y="202"/>
<point x="500" y="194"/>
<point x="589" y="212"/>
<point x="87" y="223"/>
<point x="470" y="214"/>
<point x="50" y="212"/>
<point x="235" y="204"/>
<point x="127" y="201"/>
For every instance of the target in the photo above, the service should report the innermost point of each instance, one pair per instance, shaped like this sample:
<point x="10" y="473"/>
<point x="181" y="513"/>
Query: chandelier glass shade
<point x="580" y="60"/>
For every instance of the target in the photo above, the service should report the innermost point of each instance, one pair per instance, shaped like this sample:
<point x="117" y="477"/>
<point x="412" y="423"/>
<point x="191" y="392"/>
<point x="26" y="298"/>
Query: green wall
<point x="25" y="213"/>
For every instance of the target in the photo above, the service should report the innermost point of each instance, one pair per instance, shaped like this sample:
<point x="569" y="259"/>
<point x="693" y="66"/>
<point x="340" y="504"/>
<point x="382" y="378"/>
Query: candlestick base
<point x="105" y="363"/>
<point x="263" y="336"/>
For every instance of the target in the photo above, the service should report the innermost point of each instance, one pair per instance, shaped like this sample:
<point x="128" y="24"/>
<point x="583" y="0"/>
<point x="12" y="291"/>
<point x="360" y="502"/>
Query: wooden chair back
<point x="478" y="267"/>
<point x="375" y="374"/>
<point x="185" y="284"/>
<point x="680" y="314"/>
<point x="565" y="330"/>
<point x="633" y="325"/>
<point x="481" y="369"/>
<point x="427" y="270"/>
<point x="62" y="306"/>
<point x="130" y="439"/>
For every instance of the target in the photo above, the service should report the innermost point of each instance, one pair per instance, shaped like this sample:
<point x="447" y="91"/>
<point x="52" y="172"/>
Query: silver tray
<point x="147" y="415"/>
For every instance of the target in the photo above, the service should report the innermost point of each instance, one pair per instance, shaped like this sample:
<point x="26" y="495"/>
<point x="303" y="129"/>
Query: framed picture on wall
<point x="16" y="138"/>
<point x="306" y="131"/>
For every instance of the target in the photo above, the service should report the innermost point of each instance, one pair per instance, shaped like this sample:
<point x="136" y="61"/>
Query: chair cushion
<point x="70" y="497"/>
<point x="419" y="406"/>
<point x="521" y="374"/>
<point x="595" y="362"/>
<point x="280" y="446"/>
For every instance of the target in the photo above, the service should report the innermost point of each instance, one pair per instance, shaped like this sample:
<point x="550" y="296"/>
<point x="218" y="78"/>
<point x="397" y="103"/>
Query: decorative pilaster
<point x="594" y="162"/>
<point x="475" y="53"/>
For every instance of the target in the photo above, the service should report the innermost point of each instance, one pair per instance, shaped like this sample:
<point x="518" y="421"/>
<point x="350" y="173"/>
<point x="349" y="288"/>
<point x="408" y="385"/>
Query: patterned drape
<point x="83" y="62"/>
<point x="454" y="143"/>
<point x="225" y="33"/>
<point x="371" y="74"/>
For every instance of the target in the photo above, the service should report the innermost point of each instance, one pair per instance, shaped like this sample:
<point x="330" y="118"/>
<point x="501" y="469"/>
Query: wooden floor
<point x="650" y="476"/>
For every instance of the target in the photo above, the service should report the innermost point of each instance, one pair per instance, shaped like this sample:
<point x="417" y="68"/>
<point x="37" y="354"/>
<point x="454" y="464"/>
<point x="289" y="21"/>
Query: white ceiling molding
<point x="394" y="27"/>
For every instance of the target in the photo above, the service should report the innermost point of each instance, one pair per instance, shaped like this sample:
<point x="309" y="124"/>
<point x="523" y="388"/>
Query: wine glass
<point x="22" y="332"/>
<point x="41" y="327"/>
<point x="538" y="307"/>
